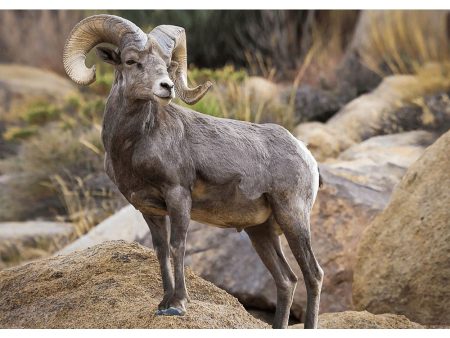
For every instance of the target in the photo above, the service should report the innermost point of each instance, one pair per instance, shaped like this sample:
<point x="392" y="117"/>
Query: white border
<point x="228" y="4"/>
<point x="158" y="333"/>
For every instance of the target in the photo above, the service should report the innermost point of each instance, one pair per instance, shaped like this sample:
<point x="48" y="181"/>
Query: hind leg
<point x="293" y="218"/>
<point x="267" y="244"/>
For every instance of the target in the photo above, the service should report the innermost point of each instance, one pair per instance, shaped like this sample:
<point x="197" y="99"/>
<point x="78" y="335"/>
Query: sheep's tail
<point x="320" y="178"/>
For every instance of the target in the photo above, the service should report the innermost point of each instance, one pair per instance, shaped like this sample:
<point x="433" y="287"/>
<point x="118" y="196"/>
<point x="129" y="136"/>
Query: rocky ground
<point x="117" y="285"/>
<point x="111" y="285"/>
<point x="362" y="320"/>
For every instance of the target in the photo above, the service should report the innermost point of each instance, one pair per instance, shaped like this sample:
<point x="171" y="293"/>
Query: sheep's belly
<point x="226" y="206"/>
<point x="231" y="215"/>
<point x="218" y="205"/>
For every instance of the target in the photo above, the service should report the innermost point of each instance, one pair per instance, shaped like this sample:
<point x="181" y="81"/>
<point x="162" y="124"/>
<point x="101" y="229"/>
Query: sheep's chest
<point x="138" y="177"/>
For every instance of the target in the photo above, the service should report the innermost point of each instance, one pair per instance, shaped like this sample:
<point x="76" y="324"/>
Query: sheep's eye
<point x="130" y="62"/>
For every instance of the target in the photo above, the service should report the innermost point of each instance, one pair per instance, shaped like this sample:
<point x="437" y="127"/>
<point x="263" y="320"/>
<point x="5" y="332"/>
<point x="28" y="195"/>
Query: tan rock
<point x="322" y="141"/>
<point x="362" y="320"/>
<point x="403" y="260"/>
<point x="367" y="115"/>
<point x="112" y="285"/>
<point x="262" y="89"/>
<point x="20" y="85"/>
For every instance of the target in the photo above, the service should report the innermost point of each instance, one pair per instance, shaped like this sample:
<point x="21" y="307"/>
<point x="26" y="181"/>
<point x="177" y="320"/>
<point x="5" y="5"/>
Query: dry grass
<point x="58" y="171"/>
<point x="234" y="96"/>
<point x="401" y="42"/>
<point x="82" y="203"/>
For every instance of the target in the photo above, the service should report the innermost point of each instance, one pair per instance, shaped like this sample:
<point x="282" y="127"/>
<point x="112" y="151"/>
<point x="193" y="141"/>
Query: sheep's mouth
<point x="166" y="97"/>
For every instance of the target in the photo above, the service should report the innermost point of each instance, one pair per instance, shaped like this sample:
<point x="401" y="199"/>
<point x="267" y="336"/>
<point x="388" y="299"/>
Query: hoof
<point x="171" y="311"/>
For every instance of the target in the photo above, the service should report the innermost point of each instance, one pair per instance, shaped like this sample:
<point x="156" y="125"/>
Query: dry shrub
<point x="49" y="165"/>
<point x="51" y="151"/>
<point x="280" y="41"/>
<point x="58" y="170"/>
<point x="324" y="47"/>
<point x="85" y="206"/>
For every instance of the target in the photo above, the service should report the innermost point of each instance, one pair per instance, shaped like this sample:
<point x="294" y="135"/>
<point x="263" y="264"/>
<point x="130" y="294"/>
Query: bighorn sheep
<point x="171" y="161"/>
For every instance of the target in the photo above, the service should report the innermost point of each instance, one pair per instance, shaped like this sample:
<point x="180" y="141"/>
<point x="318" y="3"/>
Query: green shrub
<point x="41" y="113"/>
<point x="14" y="134"/>
<point x="92" y="110"/>
<point x="209" y="105"/>
<point x="72" y="104"/>
<point x="221" y="75"/>
<point x="104" y="81"/>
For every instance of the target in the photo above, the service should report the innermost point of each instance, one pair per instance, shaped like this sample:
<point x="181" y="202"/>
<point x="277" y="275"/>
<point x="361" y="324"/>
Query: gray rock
<point x="315" y="104"/>
<point x="127" y="224"/>
<point x="391" y="155"/>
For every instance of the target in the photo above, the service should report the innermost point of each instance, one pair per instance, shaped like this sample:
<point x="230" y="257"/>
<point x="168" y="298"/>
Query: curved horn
<point x="90" y="32"/>
<point x="171" y="42"/>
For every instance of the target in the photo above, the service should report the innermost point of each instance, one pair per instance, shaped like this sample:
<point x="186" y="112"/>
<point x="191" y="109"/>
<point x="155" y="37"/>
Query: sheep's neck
<point x="125" y="119"/>
<point x="124" y="125"/>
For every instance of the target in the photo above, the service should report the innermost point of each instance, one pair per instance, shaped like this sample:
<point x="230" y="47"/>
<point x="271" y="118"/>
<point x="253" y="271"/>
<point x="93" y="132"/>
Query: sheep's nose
<point x="167" y="85"/>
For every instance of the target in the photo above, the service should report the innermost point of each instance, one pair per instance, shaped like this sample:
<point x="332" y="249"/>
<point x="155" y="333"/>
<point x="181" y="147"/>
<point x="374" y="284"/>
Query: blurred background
<point x="367" y="90"/>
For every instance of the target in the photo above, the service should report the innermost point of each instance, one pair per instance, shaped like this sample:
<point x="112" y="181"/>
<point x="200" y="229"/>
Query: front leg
<point x="178" y="201"/>
<point x="160" y="237"/>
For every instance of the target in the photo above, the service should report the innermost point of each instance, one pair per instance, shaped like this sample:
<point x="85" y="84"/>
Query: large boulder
<point x="372" y="114"/>
<point x="112" y="285"/>
<point x="362" y="320"/>
<point x="262" y="89"/>
<point x="25" y="241"/>
<point x="400" y="103"/>
<point x="403" y="260"/>
<point x="356" y="188"/>
<point x="21" y="87"/>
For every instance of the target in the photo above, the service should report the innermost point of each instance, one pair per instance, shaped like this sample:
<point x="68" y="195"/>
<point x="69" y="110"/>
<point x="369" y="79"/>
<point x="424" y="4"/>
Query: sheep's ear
<point x="108" y="55"/>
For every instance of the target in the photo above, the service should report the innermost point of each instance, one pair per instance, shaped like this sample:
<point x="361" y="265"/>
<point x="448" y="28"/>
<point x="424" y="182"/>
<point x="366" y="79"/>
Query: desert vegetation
<point x="367" y="90"/>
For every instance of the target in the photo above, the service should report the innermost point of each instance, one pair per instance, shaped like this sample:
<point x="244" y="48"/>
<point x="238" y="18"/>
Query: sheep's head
<point x="149" y="67"/>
